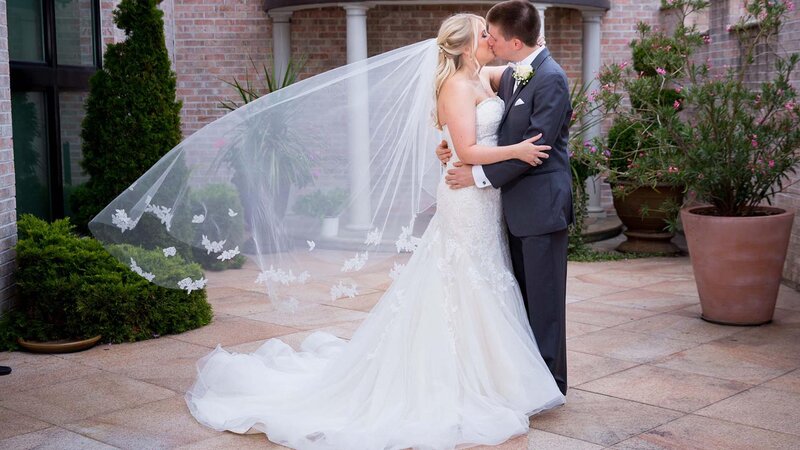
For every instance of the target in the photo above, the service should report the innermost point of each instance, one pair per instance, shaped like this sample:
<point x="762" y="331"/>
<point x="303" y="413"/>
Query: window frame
<point x="51" y="78"/>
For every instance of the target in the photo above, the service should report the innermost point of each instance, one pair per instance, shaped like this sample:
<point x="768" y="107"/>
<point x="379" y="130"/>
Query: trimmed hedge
<point x="71" y="287"/>
<point x="132" y="115"/>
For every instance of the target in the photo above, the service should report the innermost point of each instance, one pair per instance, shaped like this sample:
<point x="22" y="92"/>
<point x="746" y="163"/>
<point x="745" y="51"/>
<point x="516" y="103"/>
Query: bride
<point x="446" y="358"/>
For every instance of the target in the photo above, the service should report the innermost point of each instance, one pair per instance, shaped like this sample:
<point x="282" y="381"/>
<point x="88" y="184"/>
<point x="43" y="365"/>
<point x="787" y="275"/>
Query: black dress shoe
<point x="5" y="370"/>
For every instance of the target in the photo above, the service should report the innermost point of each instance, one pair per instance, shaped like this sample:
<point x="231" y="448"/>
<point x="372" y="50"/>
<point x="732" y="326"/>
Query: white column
<point x="358" y="129"/>
<point x="281" y="42"/>
<point x="591" y="67"/>
<point x="541" y="8"/>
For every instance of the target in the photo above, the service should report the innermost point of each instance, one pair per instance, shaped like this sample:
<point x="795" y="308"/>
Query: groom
<point x="537" y="200"/>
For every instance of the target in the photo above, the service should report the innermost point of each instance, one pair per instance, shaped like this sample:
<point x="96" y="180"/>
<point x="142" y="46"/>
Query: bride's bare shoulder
<point x="457" y="86"/>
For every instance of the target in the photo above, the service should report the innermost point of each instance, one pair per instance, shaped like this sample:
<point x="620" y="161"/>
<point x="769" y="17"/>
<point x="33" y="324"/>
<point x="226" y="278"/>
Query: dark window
<point x="54" y="48"/>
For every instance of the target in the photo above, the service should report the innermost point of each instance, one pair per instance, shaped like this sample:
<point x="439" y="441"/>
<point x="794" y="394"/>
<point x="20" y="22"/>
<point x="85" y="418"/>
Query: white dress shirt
<point x="477" y="171"/>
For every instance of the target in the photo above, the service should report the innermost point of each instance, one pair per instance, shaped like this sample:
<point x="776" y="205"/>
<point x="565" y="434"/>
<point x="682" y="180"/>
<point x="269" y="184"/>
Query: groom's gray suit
<point x="537" y="202"/>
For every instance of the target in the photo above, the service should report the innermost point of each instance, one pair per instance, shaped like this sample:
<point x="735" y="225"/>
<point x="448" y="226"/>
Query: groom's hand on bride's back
<point x="443" y="152"/>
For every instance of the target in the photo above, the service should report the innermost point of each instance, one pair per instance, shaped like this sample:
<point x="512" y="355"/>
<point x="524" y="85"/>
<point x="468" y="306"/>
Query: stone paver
<point x="602" y="315"/>
<point x="231" y="441"/>
<point x="41" y="372"/>
<point x="681" y="325"/>
<point x="86" y="397"/>
<point x="694" y="432"/>
<point x="636" y="347"/>
<point x="53" y="438"/>
<point x="649" y="300"/>
<point x="760" y="407"/>
<point x="789" y="382"/>
<point x="601" y="419"/>
<point x="231" y="330"/>
<point x="729" y="362"/>
<point x="13" y="423"/>
<point x="645" y="371"/>
<point x="143" y="426"/>
<point x="542" y="440"/>
<point x="666" y="388"/>
<point x="583" y="367"/>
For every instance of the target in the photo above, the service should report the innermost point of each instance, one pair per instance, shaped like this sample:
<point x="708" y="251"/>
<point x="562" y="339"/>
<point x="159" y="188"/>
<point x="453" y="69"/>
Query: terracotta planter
<point x="647" y="234"/>
<point x="738" y="263"/>
<point x="63" y="346"/>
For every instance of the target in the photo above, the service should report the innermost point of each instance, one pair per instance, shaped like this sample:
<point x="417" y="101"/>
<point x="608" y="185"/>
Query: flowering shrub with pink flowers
<point x="732" y="141"/>
<point x="641" y="150"/>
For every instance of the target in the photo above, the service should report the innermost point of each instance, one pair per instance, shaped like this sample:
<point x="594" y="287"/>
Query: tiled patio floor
<point x="645" y="371"/>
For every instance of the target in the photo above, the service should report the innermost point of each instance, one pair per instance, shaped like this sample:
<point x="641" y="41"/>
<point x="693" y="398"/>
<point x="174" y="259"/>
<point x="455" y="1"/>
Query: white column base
<point x="591" y="67"/>
<point x="593" y="189"/>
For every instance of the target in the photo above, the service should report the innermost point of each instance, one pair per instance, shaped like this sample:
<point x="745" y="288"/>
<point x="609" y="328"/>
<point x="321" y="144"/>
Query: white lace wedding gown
<point x="446" y="358"/>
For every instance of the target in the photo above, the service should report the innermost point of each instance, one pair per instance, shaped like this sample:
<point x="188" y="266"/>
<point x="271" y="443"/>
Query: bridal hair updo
<point x="456" y="34"/>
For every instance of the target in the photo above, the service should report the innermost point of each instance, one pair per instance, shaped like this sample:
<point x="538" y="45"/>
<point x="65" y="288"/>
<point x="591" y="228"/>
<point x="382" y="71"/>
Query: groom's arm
<point x="551" y="101"/>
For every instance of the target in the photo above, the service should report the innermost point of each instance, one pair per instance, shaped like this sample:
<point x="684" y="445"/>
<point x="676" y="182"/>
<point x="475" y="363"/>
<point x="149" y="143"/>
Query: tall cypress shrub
<point x="132" y="117"/>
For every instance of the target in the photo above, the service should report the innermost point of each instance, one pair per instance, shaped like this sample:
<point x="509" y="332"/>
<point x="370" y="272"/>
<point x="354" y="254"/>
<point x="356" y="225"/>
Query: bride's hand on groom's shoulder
<point x="443" y="152"/>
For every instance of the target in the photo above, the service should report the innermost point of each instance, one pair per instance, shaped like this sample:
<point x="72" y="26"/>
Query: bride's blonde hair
<point x="455" y="35"/>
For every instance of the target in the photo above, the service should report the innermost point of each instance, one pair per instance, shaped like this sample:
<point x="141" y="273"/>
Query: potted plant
<point x="645" y="197"/>
<point x="646" y="186"/>
<point x="326" y="206"/>
<point x="268" y="144"/>
<point x="738" y="142"/>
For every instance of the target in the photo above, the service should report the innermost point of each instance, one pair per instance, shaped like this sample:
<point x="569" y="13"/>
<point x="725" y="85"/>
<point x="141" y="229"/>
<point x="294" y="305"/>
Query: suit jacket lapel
<point x="540" y="58"/>
<point x="506" y="88"/>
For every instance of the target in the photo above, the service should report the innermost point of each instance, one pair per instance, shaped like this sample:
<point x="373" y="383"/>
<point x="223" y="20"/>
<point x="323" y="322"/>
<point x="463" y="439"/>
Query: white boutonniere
<point x="523" y="73"/>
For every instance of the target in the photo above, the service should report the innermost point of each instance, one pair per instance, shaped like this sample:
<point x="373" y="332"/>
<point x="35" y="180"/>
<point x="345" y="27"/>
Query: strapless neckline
<point x="493" y="97"/>
<point x="480" y="103"/>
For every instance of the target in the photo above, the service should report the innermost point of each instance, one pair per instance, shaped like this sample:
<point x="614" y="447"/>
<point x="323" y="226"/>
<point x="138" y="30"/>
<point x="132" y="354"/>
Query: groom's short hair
<point x="516" y="19"/>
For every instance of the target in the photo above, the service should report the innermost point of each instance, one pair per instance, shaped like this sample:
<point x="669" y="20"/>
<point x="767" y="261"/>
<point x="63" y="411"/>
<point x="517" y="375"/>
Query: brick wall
<point x="320" y="36"/>
<point x="563" y="30"/>
<point x="8" y="224"/>
<point x="393" y="26"/>
<point x="619" y="26"/>
<point x="214" y="42"/>
<point x="109" y="32"/>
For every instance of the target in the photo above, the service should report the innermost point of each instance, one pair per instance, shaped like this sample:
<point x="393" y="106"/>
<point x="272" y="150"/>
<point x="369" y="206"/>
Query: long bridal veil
<point x="324" y="183"/>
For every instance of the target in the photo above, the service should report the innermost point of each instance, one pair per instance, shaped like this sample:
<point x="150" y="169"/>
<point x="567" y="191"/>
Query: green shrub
<point x="71" y="287"/>
<point x="625" y="142"/>
<point x="321" y="204"/>
<point x="132" y="117"/>
<point x="213" y="202"/>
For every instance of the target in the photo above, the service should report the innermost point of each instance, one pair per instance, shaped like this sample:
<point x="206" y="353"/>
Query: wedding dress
<point x="445" y="359"/>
